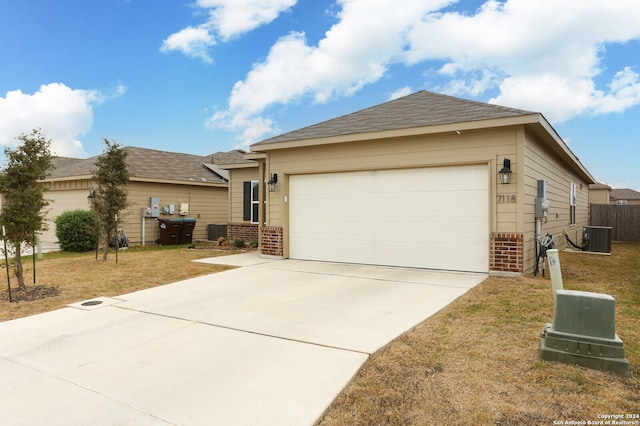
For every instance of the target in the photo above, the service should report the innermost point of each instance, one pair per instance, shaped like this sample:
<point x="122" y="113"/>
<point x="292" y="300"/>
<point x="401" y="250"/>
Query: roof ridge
<point x="418" y="109"/>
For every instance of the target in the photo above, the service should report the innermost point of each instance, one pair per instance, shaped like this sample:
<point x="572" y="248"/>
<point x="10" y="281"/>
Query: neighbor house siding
<point x="64" y="196"/>
<point x="542" y="164"/>
<point x="206" y="204"/>
<point x="445" y="149"/>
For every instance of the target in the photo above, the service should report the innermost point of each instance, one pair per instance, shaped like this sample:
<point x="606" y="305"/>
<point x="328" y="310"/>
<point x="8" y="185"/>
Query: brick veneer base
<point x="506" y="252"/>
<point x="246" y="231"/>
<point x="271" y="243"/>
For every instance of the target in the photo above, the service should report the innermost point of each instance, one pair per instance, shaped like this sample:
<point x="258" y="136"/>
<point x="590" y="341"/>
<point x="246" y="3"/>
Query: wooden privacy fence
<point x="625" y="220"/>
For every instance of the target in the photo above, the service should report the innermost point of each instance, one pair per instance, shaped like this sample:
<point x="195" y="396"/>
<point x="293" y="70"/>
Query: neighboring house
<point x="599" y="193"/>
<point x="182" y="185"/>
<point x="414" y="183"/>
<point x="624" y="196"/>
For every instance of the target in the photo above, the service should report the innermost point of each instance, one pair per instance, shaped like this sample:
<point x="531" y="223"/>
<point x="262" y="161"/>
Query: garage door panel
<point x="431" y="217"/>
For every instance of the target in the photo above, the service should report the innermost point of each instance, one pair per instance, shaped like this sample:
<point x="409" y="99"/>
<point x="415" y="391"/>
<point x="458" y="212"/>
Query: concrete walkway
<point x="272" y="342"/>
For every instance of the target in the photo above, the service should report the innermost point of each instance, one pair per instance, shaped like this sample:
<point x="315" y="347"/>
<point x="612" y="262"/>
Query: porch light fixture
<point x="505" y="172"/>
<point x="272" y="182"/>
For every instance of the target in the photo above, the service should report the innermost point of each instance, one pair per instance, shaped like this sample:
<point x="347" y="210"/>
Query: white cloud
<point x="354" y="53"/>
<point x="63" y="114"/>
<point x="543" y="55"/>
<point x="248" y="129"/>
<point x="230" y="18"/>
<point x="227" y="19"/>
<point x="193" y="42"/>
<point x="403" y="91"/>
<point x="624" y="92"/>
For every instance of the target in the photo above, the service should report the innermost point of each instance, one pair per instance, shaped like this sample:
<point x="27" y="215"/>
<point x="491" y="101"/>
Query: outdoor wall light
<point x="505" y="172"/>
<point x="272" y="182"/>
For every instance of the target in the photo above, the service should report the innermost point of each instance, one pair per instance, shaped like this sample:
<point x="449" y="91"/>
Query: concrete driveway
<point x="272" y="342"/>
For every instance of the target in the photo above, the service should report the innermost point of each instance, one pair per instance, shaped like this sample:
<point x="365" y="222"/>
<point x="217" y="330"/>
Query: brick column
<point x="271" y="243"/>
<point x="506" y="253"/>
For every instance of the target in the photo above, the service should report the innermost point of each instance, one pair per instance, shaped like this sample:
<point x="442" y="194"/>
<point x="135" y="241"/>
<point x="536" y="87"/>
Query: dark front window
<point x="251" y="192"/>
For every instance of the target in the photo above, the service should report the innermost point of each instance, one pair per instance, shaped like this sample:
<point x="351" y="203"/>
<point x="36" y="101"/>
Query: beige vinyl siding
<point x="541" y="163"/>
<point x="236" y="191"/>
<point x="63" y="197"/>
<point x="488" y="146"/>
<point x="599" y="196"/>
<point x="206" y="204"/>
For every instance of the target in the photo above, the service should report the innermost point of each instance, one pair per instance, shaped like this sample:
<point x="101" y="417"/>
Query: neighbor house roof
<point x="153" y="166"/>
<point x="420" y="109"/>
<point x="599" y="185"/>
<point x="421" y="113"/>
<point x="624" y="194"/>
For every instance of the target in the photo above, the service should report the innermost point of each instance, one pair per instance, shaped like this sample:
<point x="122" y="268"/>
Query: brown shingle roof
<point x="420" y="109"/>
<point x="599" y="185"/>
<point x="624" y="194"/>
<point x="144" y="163"/>
<point x="231" y="157"/>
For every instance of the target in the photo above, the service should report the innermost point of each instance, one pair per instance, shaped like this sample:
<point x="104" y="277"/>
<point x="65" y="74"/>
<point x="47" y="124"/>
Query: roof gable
<point x="420" y="109"/>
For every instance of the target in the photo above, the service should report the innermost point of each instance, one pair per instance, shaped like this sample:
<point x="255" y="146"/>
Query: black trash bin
<point x="170" y="231"/>
<point x="186" y="233"/>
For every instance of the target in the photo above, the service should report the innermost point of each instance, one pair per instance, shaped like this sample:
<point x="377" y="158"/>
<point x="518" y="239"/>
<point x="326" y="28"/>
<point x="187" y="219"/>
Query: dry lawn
<point x="476" y="362"/>
<point x="80" y="277"/>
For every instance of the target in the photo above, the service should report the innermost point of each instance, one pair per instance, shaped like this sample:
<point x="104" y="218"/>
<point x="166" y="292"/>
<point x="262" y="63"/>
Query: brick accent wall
<point x="247" y="231"/>
<point x="506" y="253"/>
<point x="271" y="242"/>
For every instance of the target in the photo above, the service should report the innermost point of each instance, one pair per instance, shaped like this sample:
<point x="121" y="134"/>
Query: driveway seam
<point x="257" y="333"/>
<point x="81" y="386"/>
<point x="338" y="274"/>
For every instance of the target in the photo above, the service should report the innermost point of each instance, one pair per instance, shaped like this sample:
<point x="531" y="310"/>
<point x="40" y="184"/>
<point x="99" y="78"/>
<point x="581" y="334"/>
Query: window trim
<point x="572" y="203"/>
<point x="249" y="212"/>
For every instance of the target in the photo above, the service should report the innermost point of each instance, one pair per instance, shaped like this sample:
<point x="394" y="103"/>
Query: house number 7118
<point x="506" y="198"/>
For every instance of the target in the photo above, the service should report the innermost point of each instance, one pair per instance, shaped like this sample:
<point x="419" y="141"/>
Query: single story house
<point x="599" y="193"/>
<point x="624" y="196"/>
<point x="163" y="185"/>
<point x="415" y="182"/>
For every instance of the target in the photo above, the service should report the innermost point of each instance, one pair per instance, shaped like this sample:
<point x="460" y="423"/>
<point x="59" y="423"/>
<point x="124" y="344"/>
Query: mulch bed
<point x="33" y="292"/>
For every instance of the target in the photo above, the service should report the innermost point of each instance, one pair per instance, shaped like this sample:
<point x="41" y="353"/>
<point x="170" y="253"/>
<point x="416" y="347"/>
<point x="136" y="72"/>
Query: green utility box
<point x="585" y="314"/>
<point x="583" y="333"/>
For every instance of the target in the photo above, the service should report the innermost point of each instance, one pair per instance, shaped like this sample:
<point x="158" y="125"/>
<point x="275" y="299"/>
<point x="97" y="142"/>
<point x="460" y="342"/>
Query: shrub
<point x="76" y="231"/>
<point x="238" y="243"/>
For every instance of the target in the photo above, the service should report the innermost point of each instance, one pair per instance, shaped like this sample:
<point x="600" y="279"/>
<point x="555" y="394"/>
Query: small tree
<point x="23" y="213"/>
<point x="109" y="197"/>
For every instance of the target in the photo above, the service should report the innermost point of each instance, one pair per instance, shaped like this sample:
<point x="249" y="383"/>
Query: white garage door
<point x="433" y="218"/>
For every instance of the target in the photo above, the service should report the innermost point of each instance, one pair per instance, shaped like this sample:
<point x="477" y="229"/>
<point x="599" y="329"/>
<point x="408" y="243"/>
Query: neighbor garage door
<point x="427" y="218"/>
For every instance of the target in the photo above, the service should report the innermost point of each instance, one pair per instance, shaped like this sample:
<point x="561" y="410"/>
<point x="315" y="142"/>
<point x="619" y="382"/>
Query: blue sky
<point x="213" y="75"/>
